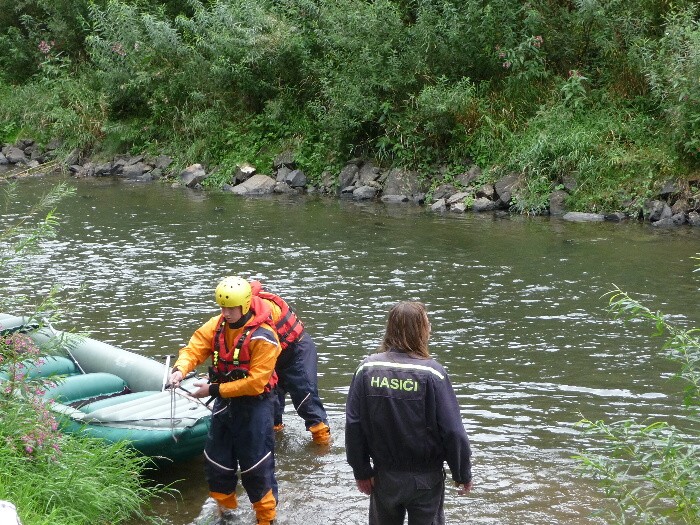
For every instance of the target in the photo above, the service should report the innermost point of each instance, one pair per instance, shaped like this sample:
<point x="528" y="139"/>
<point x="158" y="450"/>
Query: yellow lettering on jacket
<point x="394" y="383"/>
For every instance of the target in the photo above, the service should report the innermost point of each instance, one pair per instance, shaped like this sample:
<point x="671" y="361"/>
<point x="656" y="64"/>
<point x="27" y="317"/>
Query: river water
<point x="517" y="308"/>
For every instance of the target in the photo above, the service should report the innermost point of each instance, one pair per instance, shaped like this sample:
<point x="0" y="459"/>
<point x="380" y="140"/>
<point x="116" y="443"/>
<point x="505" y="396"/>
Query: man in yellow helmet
<point x="244" y="349"/>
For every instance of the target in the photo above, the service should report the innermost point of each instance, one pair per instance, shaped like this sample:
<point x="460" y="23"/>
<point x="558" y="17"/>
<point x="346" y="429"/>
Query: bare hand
<point x="464" y="488"/>
<point x="365" y="485"/>
<point x="175" y="379"/>
<point x="202" y="389"/>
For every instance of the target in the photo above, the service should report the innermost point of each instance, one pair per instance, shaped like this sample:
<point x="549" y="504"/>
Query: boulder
<point x="348" y="175"/>
<point x="439" y="206"/>
<point x="162" y="162"/>
<point x="484" y="204"/>
<point x="557" y="201"/>
<point x="656" y="210"/>
<point x="576" y="216"/>
<point x="444" y="191"/>
<point x="328" y="183"/>
<point x="368" y="173"/>
<point x="487" y="190"/>
<point x="669" y="188"/>
<point x="570" y="183"/>
<point x="669" y="222"/>
<point x="15" y="155"/>
<point x="296" y="179"/>
<point x="282" y="187"/>
<point x="617" y="216"/>
<point x="505" y="187"/>
<point x="694" y="219"/>
<point x="256" y="185"/>
<point x="281" y="173"/>
<point x="193" y="175"/>
<point x="134" y="171"/>
<point x="364" y="193"/>
<point x="243" y="172"/>
<point x="104" y="170"/>
<point x="402" y="182"/>
<point x="457" y="198"/>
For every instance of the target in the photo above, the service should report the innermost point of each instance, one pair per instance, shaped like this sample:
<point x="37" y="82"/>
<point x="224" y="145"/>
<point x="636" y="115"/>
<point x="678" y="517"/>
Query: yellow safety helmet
<point x="232" y="292"/>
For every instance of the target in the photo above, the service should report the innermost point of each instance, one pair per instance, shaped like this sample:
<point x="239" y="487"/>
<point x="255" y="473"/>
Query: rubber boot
<point x="265" y="511"/>
<point x="321" y="433"/>
<point x="226" y="516"/>
<point x="226" y="505"/>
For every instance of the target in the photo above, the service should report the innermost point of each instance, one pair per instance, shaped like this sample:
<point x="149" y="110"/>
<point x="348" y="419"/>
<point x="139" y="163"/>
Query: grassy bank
<point x="602" y="93"/>
<point x="53" y="479"/>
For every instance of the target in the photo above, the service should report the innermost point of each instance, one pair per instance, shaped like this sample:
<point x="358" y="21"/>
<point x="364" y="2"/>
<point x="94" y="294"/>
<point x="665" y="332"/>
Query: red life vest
<point x="233" y="363"/>
<point x="288" y="326"/>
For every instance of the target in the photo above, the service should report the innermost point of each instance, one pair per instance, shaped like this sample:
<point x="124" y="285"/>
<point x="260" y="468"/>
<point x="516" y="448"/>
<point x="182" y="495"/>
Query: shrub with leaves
<point x="672" y="66"/>
<point x="651" y="469"/>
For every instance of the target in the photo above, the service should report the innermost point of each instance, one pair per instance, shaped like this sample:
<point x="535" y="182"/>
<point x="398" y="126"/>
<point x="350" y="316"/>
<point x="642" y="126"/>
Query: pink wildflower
<point x="118" y="48"/>
<point x="45" y="47"/>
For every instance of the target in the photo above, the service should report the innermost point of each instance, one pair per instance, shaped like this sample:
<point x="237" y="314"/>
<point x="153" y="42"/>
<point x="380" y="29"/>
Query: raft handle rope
<point x="167" y="370"/>
<point x="173" y="406"/>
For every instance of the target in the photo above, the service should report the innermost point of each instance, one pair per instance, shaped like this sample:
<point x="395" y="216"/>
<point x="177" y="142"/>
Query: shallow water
<point x="517" y="308"/>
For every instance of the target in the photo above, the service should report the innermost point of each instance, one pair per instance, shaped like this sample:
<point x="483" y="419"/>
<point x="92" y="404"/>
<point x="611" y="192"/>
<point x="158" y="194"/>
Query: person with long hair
<point x="403" y="423"/>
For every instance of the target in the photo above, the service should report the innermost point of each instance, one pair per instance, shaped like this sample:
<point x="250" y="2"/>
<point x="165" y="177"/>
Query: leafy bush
<point x="672" y="65"/>
<point x="612" y="155"/>
<point x="27" y="27"/>
<point x="651" y="469"/>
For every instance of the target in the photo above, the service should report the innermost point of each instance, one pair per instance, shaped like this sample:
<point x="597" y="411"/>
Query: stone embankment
<point x="675" y="204"/>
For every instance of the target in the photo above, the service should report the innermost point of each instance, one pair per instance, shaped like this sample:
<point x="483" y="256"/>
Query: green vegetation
<point x="651" y="469"/>
<point x="604" y="92"/>
<point x="53" y="479"/>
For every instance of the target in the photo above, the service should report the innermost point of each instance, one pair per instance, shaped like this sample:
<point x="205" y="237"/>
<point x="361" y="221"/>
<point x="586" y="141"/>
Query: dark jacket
<point x="403" y="414"/>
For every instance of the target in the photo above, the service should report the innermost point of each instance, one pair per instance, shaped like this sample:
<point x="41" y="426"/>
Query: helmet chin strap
<point x="243" y="320"/>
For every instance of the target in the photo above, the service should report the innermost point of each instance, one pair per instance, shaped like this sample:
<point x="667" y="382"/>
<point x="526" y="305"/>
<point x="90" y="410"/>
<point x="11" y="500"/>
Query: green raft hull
<point x="109" y="393"/>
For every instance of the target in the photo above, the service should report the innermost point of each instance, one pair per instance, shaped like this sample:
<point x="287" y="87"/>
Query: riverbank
<point x="675" y="204"/>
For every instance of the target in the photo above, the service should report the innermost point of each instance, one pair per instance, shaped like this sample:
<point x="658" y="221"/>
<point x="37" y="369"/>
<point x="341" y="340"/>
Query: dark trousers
<point x="395" y="494"/>
<point x="297" y="373"/>
<point x="241" y="436"/>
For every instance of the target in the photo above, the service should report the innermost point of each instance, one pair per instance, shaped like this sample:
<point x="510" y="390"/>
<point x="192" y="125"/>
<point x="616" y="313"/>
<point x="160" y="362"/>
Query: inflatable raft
<point x="110" y="393"/>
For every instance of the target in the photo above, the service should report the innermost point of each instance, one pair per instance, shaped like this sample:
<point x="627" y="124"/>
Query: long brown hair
<point x="407" y="329"/>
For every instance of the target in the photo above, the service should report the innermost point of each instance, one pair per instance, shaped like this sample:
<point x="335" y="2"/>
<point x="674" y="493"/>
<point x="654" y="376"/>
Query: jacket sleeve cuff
<point x="463" y="481"/>
<point x="214" y="390"/>
<point x="363" y="473"/>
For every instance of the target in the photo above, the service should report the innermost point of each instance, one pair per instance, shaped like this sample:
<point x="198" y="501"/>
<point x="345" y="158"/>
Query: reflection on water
<point x="517" y="310"/>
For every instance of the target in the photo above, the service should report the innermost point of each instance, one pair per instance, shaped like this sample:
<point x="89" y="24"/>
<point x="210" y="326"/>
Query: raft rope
<point x="173" y="406"/>
<point x="165" y="374"/>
